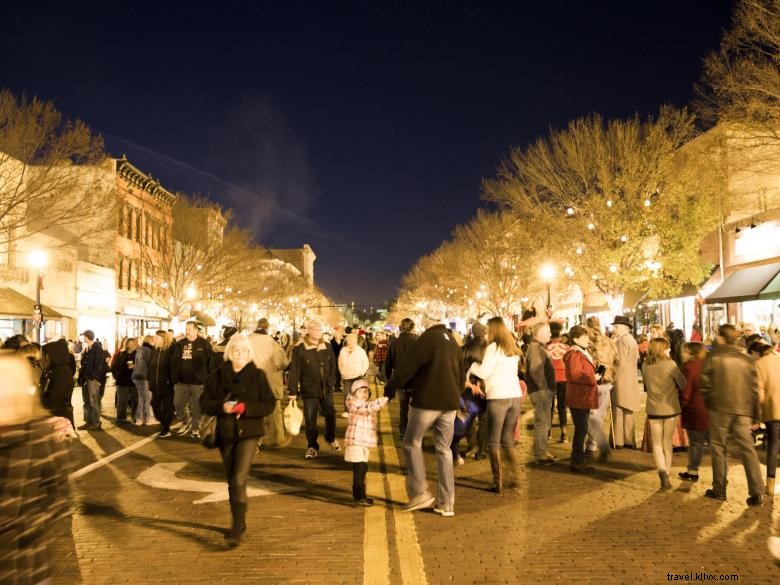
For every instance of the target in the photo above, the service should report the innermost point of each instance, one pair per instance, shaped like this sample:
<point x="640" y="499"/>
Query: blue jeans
<point x="143" y="411"/>
<point x="443" y="423"/>
<point x="122" y="398"/>
<point x="542" y="400"/>
<point x="502" y="414"/>
<point x="696" y="449"/>
<point x="90" y="392"/>
<point x="311" y="410"/>
<point x="187" y="395"/>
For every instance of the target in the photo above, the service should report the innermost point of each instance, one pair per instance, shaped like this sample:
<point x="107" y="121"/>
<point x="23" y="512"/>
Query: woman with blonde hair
<point x="160" y="384"/>
<point x="498" y="370"/>
<point x="663" y="382"/>
<point x="239" y="395"/>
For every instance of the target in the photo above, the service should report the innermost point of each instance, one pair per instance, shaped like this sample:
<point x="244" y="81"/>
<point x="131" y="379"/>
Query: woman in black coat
<point x="239" y="395"/>
<point x="159" y="376"/>
<point x="60" y="365"/>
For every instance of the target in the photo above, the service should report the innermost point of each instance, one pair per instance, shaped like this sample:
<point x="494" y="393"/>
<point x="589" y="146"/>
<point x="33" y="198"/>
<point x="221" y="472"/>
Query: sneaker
<point x="424" y="500"/>
<point x="184" y="429"/>
<point x="195" y="435"/>
<point x="688" y="476"/>
<point x="335" y="447"/>
<point x="714" y="495"/>
<point x="365" y="502"/>
<point x="564" y="438"/>
<point x="164" y="434"/>
<point x="446" y="510"/>
<point x="177" y="425"/>
<point x="311" y="453"/>
<point x="152" y="421"/>
<point x="138" y="422"/>
<point x="755" y="500"/>
<point x="345" y="414"/>
<point x="460" y="461"/>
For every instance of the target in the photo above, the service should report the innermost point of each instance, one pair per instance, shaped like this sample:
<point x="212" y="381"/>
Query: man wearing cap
<point x="190" y="363"/>
<point x="313" y="374"/>
<point x="434" y="369"/>
<point x="91" y="376"/>
<point x="271" y="358"/>
<point x="625" y="391"/>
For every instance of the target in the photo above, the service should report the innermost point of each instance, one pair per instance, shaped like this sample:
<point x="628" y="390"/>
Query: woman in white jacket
<point x="502" y="390"/>
<point x="353" y="365"/>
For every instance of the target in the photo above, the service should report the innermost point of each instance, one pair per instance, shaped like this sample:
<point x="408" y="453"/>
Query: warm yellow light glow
<point x="623" y="238"/>
<point x="570" y="211"/>
<point x="38" y="259"/>
<point x="609" y="202"/>
<point x="591" y="226"/>
<point x="192" y="292"/>
<point x="647" y="203"/>
<point x="548" y="272"/>
<point x="579" y="250"/>
<point x="613" y="268"/>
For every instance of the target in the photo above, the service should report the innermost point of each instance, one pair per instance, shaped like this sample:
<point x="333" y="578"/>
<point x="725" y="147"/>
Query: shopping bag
<point x="293" y="417"/>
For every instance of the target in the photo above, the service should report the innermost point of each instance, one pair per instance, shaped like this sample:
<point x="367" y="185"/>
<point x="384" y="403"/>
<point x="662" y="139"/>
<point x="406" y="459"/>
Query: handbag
<point x="293" y="417"/>
<point x="208" y="431"/>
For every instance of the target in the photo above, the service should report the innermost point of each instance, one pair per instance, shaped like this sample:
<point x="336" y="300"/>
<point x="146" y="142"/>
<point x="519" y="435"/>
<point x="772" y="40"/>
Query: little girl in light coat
<point x="361" y="435"/>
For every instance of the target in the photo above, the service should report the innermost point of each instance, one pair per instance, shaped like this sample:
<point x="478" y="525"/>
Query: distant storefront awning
<point x="749" y="284"/>
<point x="15" y="304"/>
<point x="204" y="318"/>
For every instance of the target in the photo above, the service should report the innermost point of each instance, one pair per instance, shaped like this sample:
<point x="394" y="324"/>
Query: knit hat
<point x="478" y="329"/>
<point x="359" y="384"/>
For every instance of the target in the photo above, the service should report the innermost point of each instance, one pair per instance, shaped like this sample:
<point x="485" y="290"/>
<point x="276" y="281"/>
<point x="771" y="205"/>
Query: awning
<point x="204" y="318"/>
<point x="15" y="304"/>
<point x="596" y="302"/>
<point x="749" y="284"/>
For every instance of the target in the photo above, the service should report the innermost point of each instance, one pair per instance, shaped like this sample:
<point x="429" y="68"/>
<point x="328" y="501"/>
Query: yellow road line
<point x="376" y="555"/>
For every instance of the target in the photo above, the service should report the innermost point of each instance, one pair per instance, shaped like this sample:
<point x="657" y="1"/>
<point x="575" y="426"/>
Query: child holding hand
<point x="361" y="436"/>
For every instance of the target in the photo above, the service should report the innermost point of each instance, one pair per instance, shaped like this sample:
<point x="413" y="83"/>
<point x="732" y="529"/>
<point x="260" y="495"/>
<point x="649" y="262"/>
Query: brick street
<point x="611" y="527"/>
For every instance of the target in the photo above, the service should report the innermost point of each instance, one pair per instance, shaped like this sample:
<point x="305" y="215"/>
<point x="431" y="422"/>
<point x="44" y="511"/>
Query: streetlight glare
<point x="37" y="259"/>
<point x="191" y="292"/>
<point x="548" y="272"/>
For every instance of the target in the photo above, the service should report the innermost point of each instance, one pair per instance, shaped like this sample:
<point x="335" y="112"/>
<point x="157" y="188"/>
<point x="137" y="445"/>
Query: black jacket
<point x="123" y="376"/>
<point x="160" y="371"/>
<point x="201" y="361"/>
<point x="474" y="351"/>
<point x="60" y="364"/>
<point x="312" y="370"/>
<point x="399" y="349"/>
<point x="93" y="364"/>
<point x="434" y="367"/>
<point x="249" y="386"/>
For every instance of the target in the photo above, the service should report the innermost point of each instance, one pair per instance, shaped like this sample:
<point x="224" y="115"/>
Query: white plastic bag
<point x="293" y="417"/>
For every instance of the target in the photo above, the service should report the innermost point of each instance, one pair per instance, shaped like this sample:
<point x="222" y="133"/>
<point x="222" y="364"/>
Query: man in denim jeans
<point x="541" y="388"/>
<point x="190" y="364"/>
<point x="91" y="376"/>
<point x="434" y="369"/>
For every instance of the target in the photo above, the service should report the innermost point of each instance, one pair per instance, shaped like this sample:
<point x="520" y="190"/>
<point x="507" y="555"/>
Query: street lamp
<point x="548" y="273"/>
<point x="37" y="260"/>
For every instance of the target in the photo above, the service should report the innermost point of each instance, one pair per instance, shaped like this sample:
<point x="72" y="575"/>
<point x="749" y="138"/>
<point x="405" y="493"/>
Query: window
<point x="121" y="273"/>
<point x="130" y="222"/>
<point x="130" y="269"/>
<point x="138" y="227"/>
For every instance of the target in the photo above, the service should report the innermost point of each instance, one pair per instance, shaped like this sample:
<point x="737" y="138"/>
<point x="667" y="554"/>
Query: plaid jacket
<point x="361" y="428"/>
<point x="33" y="494"/>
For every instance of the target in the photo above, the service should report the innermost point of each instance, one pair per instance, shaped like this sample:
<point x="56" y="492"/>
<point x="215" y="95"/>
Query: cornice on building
<point x="143" y="181"/>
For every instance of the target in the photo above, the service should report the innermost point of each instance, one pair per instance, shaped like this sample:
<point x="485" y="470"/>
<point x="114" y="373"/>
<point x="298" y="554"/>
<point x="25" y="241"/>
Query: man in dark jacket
<point x="729" y="383"/>
<point x="190" y="363"/>
<point x="60" y="366"/>
<point x="91" y="377"/>
<point x="541" y="388"/>
<point x="313" y="374"/>
<point x="434" y="367"/>
<point x="122" y="370"/>
<point x="399" y="349"/>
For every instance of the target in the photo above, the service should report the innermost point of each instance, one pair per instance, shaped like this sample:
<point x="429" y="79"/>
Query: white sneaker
<point x="138" y="422"/>
<point x="460" y="460"/>
<point x="335" y="446"/>
<point x="424" y="500"/>
<point x="311" y="453"/>
<point x="448" y="511"/>
<point x="184" y="429"/>
<point x="152" y="421"/>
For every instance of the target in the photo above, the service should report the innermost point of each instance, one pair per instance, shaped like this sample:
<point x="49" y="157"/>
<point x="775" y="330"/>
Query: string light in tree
<point x="569" y="211"/>
<point x="579" y="250"/>
<point x="648" y="203"/>
<point x="624" y="238"/>
<point x="613" y="268"/>
<point x="609" y="203"/>
<point x="591" y="226"/>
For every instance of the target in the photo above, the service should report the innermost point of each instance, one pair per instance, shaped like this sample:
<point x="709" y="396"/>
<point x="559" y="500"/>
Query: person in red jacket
<point x="557" y="349"/>
<point x="582" y="393"/>
<point x="695" y="419"/>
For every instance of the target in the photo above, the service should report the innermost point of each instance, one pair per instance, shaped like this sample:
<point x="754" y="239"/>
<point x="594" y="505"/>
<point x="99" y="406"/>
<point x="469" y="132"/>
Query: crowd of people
<point x="469" y="389"/>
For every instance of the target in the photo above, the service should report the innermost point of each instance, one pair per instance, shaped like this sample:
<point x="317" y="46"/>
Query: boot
<point x="510" y="457"/>
<point x="770" y="489"/>
<point x="495" y="467"/>
<point x="665" y="483"/>
<point x="238" y="528"/>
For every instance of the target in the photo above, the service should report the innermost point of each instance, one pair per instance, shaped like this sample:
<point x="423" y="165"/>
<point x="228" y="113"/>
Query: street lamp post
<point x="548" y="273"/>
<point x="37" y="259"/>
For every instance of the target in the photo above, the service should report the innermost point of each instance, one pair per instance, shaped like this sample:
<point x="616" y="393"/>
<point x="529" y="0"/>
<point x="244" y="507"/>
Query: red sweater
<point x="557" y="349"/>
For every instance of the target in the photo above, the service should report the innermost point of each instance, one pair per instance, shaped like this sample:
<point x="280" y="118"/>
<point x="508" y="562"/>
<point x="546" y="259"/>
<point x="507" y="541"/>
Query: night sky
<point x="361" y="128"/>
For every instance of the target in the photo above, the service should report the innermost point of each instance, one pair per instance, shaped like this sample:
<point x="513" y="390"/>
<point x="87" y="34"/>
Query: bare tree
<point x="53" y="177"/>
<point x="622" y="203"/>
<point x="741" y="81"/>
